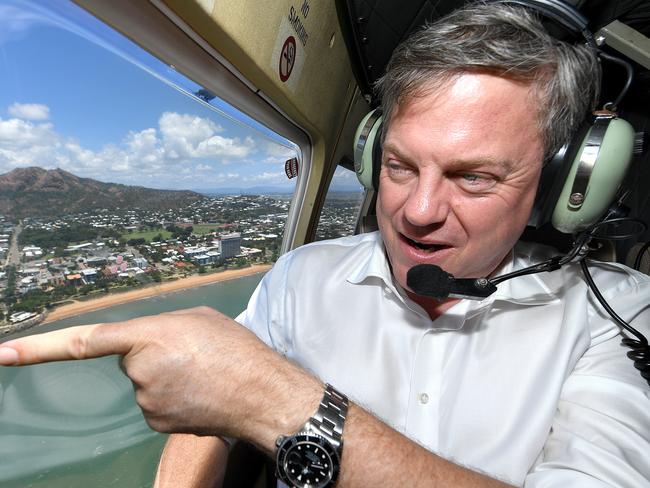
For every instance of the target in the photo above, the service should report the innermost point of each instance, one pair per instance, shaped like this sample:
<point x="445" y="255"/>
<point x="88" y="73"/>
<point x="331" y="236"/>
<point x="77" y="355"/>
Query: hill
<point x="37" y="192"/>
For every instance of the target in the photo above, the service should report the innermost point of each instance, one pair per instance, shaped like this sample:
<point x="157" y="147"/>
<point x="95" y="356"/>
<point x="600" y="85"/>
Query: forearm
<point x="376" y="455"/>
<point x="204" y="373"/>
<point x="191" y="461"/>
<point x="373" y="453"/>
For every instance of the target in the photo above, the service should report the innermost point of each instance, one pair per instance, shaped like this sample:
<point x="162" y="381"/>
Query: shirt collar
<point x="372" y="264"/>
<point x="534" y="289"/>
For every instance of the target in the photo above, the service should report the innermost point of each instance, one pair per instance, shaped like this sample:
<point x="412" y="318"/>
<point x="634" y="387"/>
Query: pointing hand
<point x="193" y="370"/>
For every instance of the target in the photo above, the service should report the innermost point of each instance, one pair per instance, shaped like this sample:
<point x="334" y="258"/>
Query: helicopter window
<point x="342" y="205"/>
<point x="94" y="132"/>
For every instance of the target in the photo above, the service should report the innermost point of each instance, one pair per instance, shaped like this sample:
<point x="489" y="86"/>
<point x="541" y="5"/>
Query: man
<point x="528" y="387"/>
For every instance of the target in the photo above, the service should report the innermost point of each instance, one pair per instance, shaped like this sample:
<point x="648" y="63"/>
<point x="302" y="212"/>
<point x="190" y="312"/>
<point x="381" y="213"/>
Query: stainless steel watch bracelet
<point x="330" y="417"/>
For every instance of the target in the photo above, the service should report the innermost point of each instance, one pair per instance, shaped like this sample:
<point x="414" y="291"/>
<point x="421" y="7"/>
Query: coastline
<point x="111" y="300"/>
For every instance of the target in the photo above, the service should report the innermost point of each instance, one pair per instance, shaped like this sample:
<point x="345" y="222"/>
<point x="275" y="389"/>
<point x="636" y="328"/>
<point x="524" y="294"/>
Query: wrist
<point x="286" y="396"/>
<point x="311" y="456"/>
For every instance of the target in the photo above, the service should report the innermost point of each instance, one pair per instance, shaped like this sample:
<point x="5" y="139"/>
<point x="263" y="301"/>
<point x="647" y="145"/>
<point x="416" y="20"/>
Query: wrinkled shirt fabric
<point x="531" y="385"/>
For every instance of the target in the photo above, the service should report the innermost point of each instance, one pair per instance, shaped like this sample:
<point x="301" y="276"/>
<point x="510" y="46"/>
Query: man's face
<point x="460" y="168"/>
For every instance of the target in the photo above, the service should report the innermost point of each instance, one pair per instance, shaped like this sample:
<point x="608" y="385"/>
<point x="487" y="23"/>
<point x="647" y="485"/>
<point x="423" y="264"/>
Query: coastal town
<point x="80" y="257"/>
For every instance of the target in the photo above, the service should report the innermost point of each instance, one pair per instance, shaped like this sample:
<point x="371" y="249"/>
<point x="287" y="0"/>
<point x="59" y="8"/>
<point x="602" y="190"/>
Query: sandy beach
<point x="79" y="307"/>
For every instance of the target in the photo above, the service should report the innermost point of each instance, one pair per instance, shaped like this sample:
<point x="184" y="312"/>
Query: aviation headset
<point x="580" y="182"/>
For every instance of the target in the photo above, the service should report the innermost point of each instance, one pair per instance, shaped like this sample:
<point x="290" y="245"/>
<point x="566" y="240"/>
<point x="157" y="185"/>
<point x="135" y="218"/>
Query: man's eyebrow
<point x="393" y="149"/>
<point x="504" y="164"/>
<point x="460" y="163"/>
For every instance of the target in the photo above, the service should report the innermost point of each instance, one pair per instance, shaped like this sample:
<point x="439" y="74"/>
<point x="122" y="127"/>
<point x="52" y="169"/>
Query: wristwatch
<point x="311" y="458"/>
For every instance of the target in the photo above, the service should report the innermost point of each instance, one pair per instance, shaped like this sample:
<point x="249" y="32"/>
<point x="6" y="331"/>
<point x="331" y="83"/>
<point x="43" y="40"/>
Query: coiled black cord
<point x="639" y="255"/>
<point x="640" y="350"/>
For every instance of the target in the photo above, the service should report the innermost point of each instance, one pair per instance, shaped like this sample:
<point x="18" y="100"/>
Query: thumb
<point x="82" y="342"/>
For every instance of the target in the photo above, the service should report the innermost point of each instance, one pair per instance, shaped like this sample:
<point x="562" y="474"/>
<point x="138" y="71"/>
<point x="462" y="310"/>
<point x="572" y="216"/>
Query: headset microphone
<point x="431" y="281"/>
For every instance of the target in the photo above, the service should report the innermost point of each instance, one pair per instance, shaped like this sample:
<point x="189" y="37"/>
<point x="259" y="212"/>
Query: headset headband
<point x="564" y="14"/>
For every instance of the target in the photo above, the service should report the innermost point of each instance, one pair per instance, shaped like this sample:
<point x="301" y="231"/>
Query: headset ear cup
<point x="554" y="174"/>
<point x="612" y="155"/>
<point x="366" y="147"/>
<point x="376" y="156"/>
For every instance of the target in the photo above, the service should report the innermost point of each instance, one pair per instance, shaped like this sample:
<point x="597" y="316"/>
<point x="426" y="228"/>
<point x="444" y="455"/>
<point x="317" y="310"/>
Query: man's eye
<point x="472" y="178"/>
<point x="395" y="169"/>
<point x="476" y="182"/>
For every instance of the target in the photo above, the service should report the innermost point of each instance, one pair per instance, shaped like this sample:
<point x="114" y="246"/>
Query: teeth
<point x="425" y="247"/>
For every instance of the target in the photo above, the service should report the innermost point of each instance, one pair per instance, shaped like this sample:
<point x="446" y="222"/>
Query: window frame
<point x="158" y="30"/>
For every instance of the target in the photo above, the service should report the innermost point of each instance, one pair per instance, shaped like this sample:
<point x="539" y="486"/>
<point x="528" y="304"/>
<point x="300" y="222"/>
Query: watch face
<point x="308" y="460"/>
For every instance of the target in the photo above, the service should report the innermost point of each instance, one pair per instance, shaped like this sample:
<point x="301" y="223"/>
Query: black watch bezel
<point x="295" y="443"/>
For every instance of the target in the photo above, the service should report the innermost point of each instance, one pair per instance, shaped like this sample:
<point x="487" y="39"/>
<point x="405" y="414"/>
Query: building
<point x="73" y="279"/>
<point x="192" y="252"/>
<point x="89" y="275"/>
<point x="230" y="245"/>
<point x="32" y="252"/>
<point x="21" y="317"/>
<point x="86" y="246"/>
<point x="201" y="259"/>
<point x="96" y="262"/>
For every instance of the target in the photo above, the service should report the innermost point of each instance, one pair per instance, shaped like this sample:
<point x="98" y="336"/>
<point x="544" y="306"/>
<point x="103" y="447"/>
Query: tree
<point x="10" y="291"/>
<point x="84" y="290"/>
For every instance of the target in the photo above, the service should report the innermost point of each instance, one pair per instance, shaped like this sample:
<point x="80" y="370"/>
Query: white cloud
<point x="29" y="111"/>
<point x="16" y="133"/>
<point x="344" y="178"/>
<point x="344" y="175"/>
<point x="23" y="143"/>
<point x="228" y="176"/>
<point x="185" y="126"/>
<point x="182" y="147"/>
<point x="267" y="178"/>
<point x="277" y="153"/>
<point x="189" y="136"/>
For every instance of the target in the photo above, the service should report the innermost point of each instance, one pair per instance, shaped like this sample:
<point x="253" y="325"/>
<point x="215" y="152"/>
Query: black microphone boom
<point x="431" y="281"/>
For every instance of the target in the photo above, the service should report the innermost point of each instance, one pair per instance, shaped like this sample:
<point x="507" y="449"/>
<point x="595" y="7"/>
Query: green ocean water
<point x="75" y="423"/>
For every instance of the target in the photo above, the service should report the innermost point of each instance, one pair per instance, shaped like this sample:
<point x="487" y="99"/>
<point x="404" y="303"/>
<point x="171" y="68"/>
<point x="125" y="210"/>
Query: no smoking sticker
<point x="287" y="58"/>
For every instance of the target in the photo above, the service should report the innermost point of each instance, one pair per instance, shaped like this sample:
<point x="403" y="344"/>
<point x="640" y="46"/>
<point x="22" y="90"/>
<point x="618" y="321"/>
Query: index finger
<point x="81" y="342"/>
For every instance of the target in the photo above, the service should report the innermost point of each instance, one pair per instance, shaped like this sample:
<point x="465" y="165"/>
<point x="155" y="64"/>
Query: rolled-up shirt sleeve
<point x="255" y="316"/>
<point x="265" y="313"/>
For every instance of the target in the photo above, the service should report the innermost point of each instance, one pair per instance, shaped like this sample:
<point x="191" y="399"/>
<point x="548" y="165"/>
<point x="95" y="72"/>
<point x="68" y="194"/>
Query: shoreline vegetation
<point x="79" y="307"/>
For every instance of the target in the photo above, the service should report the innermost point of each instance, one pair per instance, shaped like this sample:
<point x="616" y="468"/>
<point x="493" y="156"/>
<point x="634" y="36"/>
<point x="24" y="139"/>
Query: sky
<point x="78" y="96"/>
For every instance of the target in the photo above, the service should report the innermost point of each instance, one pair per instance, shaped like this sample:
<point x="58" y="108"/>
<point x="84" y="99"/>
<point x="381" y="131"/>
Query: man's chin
<point x="400" y="276"/>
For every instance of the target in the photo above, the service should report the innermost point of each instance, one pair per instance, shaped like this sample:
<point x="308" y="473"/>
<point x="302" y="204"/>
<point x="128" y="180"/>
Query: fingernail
<point x="8" y="356"/>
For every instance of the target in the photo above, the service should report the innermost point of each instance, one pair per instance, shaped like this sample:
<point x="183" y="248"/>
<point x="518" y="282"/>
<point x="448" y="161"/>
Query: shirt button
<point x="424" y="398"/>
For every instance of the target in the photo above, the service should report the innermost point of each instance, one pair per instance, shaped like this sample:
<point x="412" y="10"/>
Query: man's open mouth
<point x="424" y="246"/>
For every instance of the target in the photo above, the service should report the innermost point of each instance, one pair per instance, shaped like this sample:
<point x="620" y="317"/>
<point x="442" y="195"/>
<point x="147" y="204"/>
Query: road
<point x="13" y="256"/>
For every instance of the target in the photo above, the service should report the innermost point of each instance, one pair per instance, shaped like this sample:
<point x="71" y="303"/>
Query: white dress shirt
<point x="530" y="386"/>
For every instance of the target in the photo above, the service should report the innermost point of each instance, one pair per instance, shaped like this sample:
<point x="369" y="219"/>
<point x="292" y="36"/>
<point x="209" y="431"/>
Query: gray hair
<point x="505" y="40"/>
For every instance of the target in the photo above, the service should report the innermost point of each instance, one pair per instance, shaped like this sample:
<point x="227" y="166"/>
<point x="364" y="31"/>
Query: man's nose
<point x="428" y="202"/>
